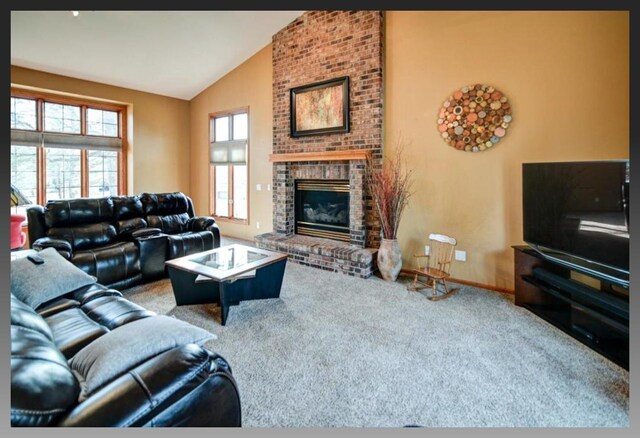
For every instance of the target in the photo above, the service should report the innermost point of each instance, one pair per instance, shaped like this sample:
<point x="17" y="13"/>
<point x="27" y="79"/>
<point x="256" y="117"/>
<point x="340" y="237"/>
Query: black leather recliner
<point x="183" y="386"/>
<point x="173" y="214"/>
<point x="122" y="240"/>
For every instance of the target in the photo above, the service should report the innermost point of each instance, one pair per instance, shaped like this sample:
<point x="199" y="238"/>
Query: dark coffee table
<point x="227" y="275"/>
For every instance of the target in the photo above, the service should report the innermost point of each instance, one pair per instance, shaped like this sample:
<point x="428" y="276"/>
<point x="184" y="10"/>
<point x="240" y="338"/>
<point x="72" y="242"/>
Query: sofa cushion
<point x="160" y="204"/>
<point x="43" y="386"/>
<point x="114" y="311"/>
<point x="24" y="316"/>
<point x="33" y="283"/>
<point x="109" y="264"/>
<point x="85" y="236"/>
<point x="170" y="223"/>
<point x="126" y="207"/>
<point x="57" y="305"/>
<point x="92" y="292"/>
<point x="73" y="212"/>
<point x="130" y="345"/>
<point x="73" y="330"/>
<point x="189" y="243"/>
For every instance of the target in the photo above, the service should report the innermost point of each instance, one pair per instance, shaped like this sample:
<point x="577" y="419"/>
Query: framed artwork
<point x="320" y="108"/>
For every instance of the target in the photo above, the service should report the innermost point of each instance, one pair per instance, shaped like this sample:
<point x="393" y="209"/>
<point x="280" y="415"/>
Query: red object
<point x="18" y="237"/>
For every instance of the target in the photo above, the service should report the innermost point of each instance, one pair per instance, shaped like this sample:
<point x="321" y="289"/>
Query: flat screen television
<point x="577" y="213"/>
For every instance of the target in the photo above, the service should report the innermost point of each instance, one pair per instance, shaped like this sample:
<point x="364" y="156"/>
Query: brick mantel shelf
<point x="358" y="154"/>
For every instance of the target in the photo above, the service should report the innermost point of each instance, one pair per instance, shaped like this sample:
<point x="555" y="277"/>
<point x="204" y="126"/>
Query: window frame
<point x="212" y="168"/>
<point x="84" y="104"/>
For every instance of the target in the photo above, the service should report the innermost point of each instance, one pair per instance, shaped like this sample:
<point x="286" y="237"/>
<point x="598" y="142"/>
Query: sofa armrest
<point x="152" y="247"/>
<point x="184" y="386"/>
<point x="205" y="223"/>
<point x="62" y="246"/>
<point x="37" y="225"/>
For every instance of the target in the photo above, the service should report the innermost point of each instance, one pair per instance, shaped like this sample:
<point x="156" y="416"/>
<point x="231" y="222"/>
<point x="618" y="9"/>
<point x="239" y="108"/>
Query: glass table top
<point x="226" y="262"/>
<point x="228" y="258"/>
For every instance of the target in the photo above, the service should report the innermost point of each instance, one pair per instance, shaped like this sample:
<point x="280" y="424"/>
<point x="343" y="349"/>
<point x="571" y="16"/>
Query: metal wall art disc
<point x="474" y="118"/>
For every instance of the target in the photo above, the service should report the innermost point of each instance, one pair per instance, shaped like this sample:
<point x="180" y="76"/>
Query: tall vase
<point x="389" y="259"/>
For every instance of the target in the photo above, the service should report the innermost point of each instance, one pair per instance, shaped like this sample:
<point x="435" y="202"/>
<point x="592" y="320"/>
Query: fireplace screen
<point x="322" y="208"/>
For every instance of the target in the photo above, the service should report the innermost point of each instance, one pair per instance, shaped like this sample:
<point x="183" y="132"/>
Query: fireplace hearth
<point x="322" y="209"/>
<point x="320" y="216"/>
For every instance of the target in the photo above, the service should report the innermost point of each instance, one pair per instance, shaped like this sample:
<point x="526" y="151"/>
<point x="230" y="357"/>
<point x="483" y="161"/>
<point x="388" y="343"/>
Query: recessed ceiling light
<point x="75" y="13"/>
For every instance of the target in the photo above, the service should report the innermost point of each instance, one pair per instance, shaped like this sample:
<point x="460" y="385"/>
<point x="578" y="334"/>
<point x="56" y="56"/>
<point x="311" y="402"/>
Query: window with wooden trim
<point x="229" y="161"/>
<point x="64" y="148"/>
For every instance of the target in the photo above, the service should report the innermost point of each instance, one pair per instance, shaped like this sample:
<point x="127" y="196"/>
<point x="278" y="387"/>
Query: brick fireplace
<point x="322" y="45"/>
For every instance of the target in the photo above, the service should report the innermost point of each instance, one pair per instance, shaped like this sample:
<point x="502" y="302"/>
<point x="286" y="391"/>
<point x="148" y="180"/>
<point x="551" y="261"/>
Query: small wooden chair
<point x="437" y="267"/>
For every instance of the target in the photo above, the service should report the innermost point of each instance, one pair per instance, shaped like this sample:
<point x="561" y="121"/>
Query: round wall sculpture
<point x="474" y="118"/>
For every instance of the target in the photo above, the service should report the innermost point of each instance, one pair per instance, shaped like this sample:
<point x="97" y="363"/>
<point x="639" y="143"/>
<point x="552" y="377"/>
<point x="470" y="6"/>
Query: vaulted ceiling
<point x="172" y="53"/>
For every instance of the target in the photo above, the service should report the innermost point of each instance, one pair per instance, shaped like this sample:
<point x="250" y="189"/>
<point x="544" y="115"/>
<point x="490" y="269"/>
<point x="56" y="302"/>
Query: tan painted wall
<point x="248" y="85"/>
<point x="159" y="147"/>
<point x="567" y="77"/>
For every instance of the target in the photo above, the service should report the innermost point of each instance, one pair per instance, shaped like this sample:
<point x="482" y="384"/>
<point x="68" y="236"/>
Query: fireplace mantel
<point x="358" y="154"/>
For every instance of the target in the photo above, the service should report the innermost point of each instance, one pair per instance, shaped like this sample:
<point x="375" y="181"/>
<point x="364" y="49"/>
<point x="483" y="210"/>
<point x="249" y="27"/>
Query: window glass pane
<point x="63" y="173"/>
<point x="222" y="129"/>
<point x="61" y="118"/>
<point x="240" y="128"/>
<point x="24" y="174"/>
<point x="104" y="123"/>
<point x="221" y="188"/>
<point x="240" y="192"/>
<point x="103" y="173"/>
<point x="23" y="113"/>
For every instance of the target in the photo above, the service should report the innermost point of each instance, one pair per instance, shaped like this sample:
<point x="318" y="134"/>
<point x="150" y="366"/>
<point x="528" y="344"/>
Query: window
<point x="63" y="173"/>
<point x="61" y="118"/>
<point x="24" y="174"/>
<point x="23" y="113"/>
<point x="65" y="148"/>
<point x="101" y="122"/>
<point x="229" y="160"/>
<point x="103" y="173"/>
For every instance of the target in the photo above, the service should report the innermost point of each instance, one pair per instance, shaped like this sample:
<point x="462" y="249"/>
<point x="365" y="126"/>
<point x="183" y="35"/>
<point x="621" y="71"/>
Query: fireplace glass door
<point x="322" y="208"/>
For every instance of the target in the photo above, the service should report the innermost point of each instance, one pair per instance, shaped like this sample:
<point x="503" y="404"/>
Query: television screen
<point x="579" y="209"/>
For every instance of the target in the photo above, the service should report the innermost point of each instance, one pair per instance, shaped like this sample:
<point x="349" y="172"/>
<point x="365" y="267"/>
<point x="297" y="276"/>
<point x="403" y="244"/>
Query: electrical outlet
<point x="268" y="187"/>
<point x="257" y="224"/>
<point x="426" y="249"/>
<point x="258" y="187"/>
<point x="461" y="255"/>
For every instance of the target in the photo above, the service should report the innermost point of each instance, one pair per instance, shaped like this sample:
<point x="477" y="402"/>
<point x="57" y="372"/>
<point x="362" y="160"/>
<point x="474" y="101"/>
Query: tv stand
<point x="597" y="317"/>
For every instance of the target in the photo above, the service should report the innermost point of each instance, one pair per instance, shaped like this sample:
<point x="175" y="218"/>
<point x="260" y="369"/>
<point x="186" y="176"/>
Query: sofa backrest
<point x="80" y="211"/>
<point x="84" y="222"/>
<point x="91" y="222"/>
<point x="128" y="213"/>
<point x="43" y="387"/>
<point x="170" y="212"/>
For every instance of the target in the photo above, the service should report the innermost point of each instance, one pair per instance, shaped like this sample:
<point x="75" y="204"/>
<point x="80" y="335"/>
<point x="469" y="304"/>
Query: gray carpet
<point x="340" y="351"/>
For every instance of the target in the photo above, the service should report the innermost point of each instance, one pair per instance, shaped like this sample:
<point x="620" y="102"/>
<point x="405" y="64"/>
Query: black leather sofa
<point x="187" y="385"/>
<point x="122" y="240"/>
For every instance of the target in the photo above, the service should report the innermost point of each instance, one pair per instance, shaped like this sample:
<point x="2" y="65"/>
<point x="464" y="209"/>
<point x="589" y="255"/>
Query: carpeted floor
<point x="340" y="351"/>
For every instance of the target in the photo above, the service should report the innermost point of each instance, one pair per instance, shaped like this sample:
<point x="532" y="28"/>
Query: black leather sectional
<point x="186" y="385"/>
<point x="122" y="240"/>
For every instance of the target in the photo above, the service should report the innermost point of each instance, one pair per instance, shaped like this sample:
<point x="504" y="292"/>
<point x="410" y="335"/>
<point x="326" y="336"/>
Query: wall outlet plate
<point x="461" y="255"/>
<point x="257" y="224"/>
<point x="258" y="187"/>
<point x="268" y="187"/>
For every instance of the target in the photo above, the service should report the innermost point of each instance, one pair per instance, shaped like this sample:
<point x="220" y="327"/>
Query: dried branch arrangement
<point x="390" y="188"/>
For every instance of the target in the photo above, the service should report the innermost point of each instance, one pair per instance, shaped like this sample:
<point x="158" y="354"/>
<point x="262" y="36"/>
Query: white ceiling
<point x="173" y="53"/>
